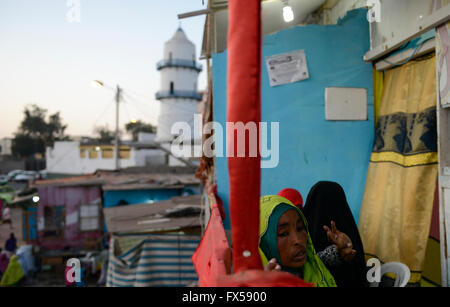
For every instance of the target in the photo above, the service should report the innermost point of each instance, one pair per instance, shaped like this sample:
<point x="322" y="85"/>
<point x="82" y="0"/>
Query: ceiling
<point x="272" y="18"/>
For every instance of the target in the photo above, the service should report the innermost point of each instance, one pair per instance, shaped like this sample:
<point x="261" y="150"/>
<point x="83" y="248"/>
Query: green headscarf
<point x="272" y="207"/>
<point x="13" y="274"/>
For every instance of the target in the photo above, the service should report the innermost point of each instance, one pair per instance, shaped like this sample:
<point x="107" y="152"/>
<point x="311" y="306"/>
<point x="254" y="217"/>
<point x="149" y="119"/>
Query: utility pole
<point x="117" y="141"/>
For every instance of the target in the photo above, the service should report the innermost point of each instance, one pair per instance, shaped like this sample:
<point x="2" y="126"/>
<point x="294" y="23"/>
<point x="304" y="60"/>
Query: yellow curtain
<point x="396" y="211"/>
<point x="378" y="83"/>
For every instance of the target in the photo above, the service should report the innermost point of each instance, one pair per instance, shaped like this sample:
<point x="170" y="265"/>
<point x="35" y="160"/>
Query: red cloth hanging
<point x="244" y="105"/>
<point x="213" y="256"/>
<point x="259" y="278"/>
<point x="213" y="192"/>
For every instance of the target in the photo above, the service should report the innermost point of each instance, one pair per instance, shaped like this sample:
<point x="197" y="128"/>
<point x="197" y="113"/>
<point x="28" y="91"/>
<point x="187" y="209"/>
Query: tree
<point x="55" y="129"/>
<point x="35" y="133"/>
<point x="135" y="127"/>
<point x="104" y="135"/>
<point x="25" y="145"/>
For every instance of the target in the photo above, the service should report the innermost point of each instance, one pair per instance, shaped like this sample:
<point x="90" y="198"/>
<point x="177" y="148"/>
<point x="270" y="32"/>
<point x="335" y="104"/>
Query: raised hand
<point x="342" y="241"/>
<point x="272" y="265"/>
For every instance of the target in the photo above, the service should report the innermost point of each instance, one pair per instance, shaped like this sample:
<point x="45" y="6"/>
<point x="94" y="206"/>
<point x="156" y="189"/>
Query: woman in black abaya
<point x="326" y="202"/>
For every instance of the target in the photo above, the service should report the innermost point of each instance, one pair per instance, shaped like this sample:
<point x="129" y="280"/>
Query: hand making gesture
<point x="342" y="241"/>
<point x="272" y="265"/>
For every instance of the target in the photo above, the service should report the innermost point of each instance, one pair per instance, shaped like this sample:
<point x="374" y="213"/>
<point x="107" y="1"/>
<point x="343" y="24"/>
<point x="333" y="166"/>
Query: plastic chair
<point x="402" y="272"/>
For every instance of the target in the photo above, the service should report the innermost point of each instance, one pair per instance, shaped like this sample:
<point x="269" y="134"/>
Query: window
<point x="172" y="86"/>
<point x="54" y="221"/>
<point x="82" y="153"/>
<point x="124" y="153"/>
<point x="107" y="153"/>
<point x="89" y="217"/>
<point x="93" y="154"/>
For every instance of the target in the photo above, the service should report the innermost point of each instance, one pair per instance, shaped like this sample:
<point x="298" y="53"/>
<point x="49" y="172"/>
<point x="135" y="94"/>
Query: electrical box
<point x="345" y="103"/>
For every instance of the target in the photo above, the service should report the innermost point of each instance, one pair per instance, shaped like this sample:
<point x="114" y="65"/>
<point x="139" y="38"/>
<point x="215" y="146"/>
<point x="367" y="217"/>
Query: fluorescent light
<point x="96" y="83"/>
<point x="288" y="13"/>
<point x="35" y="199"/>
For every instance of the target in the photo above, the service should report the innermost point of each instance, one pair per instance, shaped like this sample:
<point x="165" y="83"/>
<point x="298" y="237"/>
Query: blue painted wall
<point x="112" y="198"/>
<point x="134" y="197"/>
<point x="311" y="148"/>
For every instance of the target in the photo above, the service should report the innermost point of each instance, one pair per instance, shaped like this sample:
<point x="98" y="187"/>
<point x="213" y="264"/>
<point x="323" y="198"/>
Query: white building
<point x="178" y="93"/>
<point x="5" y="147"/>
<point x="74" y="157"/>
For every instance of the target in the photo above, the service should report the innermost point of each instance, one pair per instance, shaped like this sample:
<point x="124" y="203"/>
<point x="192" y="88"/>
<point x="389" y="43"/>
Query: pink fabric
<point x="68" y="283"/>
<point x="4" y="261"/>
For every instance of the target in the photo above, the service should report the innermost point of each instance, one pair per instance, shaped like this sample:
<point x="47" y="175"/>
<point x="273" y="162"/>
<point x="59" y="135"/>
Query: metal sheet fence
<point x="161" y="260"/>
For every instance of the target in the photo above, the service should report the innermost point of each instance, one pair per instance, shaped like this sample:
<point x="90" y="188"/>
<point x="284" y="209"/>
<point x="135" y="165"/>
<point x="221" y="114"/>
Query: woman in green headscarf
<point x="285" y="241"/>
<point x="13" y="274"/>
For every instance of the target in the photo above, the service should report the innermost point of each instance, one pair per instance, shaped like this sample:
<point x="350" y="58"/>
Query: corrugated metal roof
<point x="129" y="181"/>
<point x="67" y="181"/>
<point x="175" y="213"/>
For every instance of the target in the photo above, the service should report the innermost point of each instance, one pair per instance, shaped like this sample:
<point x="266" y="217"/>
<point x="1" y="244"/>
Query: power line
<point x="103" y="113"/>
<point x="142" y="111"/>
<point x="126" y="111"/>
<point x="138" y="94"/>
<point x="179" y="107"/>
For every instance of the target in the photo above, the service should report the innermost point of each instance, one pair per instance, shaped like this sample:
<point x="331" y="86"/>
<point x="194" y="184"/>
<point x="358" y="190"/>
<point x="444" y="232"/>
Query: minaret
<point x="178" y="94"/>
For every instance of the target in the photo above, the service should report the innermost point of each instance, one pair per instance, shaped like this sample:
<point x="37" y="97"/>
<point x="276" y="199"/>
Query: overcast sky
<point x="49" y="58"/>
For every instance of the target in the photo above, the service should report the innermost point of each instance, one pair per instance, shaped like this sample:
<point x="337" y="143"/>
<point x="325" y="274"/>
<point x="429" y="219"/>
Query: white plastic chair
<point x="402" y="272"/>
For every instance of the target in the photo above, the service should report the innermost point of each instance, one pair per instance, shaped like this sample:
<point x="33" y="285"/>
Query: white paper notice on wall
<point x="345" y="103"/>
<point x="287" y="67"/>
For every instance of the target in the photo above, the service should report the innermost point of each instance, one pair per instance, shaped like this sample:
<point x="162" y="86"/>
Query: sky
<point x="49" y="55"/>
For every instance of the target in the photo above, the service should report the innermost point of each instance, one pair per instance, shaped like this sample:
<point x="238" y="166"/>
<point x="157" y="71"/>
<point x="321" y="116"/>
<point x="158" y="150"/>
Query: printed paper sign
<point x="287" y="67"/>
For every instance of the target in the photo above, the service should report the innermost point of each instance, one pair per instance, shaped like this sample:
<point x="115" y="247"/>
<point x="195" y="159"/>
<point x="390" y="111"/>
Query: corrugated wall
<point x="71" y="198"/>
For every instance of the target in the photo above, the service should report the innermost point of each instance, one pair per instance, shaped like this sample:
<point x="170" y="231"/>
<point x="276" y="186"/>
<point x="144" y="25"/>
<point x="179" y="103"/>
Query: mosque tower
<point x="178" y="94"/>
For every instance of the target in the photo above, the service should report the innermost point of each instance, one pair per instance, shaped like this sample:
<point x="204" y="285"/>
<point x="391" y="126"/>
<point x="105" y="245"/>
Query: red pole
<point x="244" y="105"/>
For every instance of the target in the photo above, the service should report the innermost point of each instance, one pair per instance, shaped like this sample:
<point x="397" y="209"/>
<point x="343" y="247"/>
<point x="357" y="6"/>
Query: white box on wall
<point x="345" y="103"/>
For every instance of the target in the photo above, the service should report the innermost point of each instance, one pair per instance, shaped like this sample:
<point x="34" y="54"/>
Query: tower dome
<point x="179" y="47"/>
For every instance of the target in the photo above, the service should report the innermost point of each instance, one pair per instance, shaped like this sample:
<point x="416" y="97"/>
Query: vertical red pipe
<point x="244" y="105"/>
